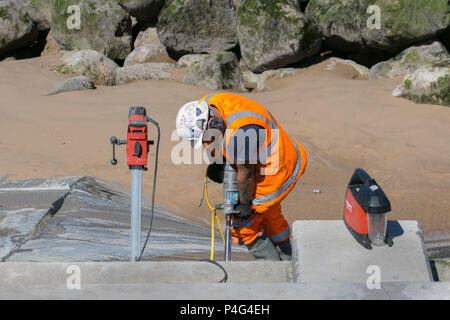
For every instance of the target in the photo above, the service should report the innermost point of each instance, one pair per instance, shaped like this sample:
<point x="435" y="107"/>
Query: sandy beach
<point x="343" y="123"/>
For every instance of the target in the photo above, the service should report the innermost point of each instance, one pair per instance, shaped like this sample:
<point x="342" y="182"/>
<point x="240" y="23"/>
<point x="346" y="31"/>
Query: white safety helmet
<point x="192" y="119"/>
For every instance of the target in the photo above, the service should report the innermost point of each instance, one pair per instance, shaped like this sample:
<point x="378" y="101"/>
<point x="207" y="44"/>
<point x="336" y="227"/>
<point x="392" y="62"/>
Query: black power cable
<point x="225" y="278"/>
<point x="155" y="172"/>
<point x="154" y="184"/>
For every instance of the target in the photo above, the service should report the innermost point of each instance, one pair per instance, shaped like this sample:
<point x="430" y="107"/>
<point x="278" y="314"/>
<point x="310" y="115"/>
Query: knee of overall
<point x="263" y="249"/>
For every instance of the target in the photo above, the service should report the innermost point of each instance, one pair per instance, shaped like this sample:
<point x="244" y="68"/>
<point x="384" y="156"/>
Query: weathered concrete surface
<point x="87" y="219"/>
<point x="325" y="251"/>
<point x="232" y="291"/>
<point x="23" y="204"/>
<point x="189" y="281"/>
<point x="129" y="273"/>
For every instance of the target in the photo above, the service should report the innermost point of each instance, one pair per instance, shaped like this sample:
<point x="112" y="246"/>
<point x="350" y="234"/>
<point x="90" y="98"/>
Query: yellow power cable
<point x="214" y="214"/>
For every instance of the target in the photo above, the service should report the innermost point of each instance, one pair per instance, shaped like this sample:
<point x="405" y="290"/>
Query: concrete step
<point x="105" y="273"/>
<point x="325" y="251"/>
<point x="189" y="281"/>
<point x="232" y="291"/>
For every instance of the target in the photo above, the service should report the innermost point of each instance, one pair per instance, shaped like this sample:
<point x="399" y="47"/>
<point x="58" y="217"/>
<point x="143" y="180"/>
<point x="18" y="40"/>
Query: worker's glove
<point x="244" y="211"/>
<point x="215" y="172"/>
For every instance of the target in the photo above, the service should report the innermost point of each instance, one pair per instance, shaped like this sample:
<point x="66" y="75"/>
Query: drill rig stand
<point x="137" y="151"/>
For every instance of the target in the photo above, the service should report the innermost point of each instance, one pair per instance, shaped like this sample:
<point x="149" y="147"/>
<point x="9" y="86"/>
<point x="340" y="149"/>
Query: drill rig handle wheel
<point x="115" y="141"/>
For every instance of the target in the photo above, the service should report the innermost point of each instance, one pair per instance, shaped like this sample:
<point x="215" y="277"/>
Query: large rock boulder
<point x="104" y="26"/>
<point x="428" y="84"/>
<point x="51" y="47"/>
<point x="92" y="64"/>
<point x="409" y="60"/>
<point x="216" y="71"/>
<point x="148" y="53"/>
<point x="147" y="36"/>
<point x="16" y="27"/>
<point x="258" y="81"/>
<point x="187" y="60"/>
<point x="40" y="11"/>
<point x="351" y="25"/>
<point x="144" y="71"/>
<point x="197" y="26"/>
<point x="273" y="34"/>
<point x="143" y="10"/>
<point x="359" y="71"/>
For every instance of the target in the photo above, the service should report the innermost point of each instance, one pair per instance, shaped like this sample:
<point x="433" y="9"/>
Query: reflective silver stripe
<point x="274" y="138"/>
<point x="241" y="114"/>
<point x="238" y="224"/>
<point x="209" y="97"/>
<point x="271" y="196"/>
<point x="280" y="236"/>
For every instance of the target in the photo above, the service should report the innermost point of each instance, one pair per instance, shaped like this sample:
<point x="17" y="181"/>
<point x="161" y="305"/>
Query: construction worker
<point x="268" y="166"/>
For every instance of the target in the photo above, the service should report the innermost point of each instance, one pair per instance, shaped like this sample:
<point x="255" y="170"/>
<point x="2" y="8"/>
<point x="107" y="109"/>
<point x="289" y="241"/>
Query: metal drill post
<point x="227" y="251"/>
<point x="230" y="199"/>
<point x="136" y="200"/>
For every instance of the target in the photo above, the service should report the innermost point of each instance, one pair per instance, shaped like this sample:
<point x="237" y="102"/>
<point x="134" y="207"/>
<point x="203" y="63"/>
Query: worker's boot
<point x="284" y="250"/>
<point x="263" y="249"/>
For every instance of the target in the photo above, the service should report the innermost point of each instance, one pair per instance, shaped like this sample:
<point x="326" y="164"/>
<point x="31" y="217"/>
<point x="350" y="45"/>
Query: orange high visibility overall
<point x="282" y="162"/>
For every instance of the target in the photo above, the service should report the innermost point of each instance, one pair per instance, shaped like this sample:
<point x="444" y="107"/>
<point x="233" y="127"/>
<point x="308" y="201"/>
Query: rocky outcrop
<point x="72" y="84"/>
<point x="274" y="34"/>
<point x="428" y="84"/>
<point x="351" y="26"/>
<point x="362" y="71"/>
<point x="216" y="71"/>
<point x="194" y="26"/>
<point x="51" y="47"/>
<point x="187" y="60"/>
<point x="40" y="11"/>
<point x="144" y="71"/>
<point x="105" y="27"/>
<point x="16" y="27"/>
<point x="143" y="10"/>
<point x="147" y="36"/>
<point x="147" y="53"/>
<point x="258" y="81"/>
<point x="409" y="60"/>
<point x="92" y="64"/>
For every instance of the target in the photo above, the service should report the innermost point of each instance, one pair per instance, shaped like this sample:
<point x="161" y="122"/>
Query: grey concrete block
<point x="325" y="251"/>
<point x="120" y="273"/>
<point x="232" y="291"/>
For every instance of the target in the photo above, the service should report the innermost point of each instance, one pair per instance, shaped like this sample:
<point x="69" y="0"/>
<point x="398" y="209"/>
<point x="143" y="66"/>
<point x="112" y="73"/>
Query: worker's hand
<point x="245" y="211"/>
<point x="215" y="172"/>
